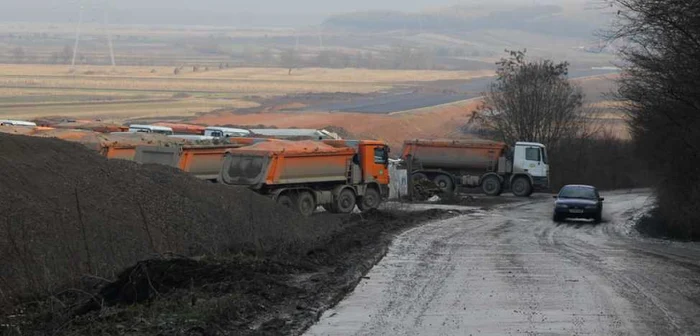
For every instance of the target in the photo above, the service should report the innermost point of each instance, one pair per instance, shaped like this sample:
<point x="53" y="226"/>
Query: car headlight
<point x="562" y="206"/>
<point x="591" y="207"/>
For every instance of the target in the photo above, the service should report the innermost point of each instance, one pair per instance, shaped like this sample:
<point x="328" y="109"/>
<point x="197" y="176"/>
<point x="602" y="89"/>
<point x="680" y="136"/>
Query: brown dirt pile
<point x="66" y="212"/>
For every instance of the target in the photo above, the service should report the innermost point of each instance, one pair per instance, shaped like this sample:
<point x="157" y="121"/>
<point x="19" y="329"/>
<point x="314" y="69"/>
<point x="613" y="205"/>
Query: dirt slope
<point x="66" y="212"/>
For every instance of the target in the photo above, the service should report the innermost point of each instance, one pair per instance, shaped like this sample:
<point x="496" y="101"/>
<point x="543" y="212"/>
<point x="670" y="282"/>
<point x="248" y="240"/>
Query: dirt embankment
<point x="92" y="246"/>
<point x="436" y="122"/>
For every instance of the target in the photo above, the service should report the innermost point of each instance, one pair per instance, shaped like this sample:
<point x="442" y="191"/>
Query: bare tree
<point x="18" y="55"/>
<point x="532" y="101"/>
<point x="661" y="83"/>
<point x="289" y="59"/>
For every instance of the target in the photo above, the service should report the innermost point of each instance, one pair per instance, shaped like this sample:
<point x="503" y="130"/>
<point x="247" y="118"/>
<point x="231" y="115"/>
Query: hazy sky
<point x="298" y="6"/>
<point x="257" y="12"/>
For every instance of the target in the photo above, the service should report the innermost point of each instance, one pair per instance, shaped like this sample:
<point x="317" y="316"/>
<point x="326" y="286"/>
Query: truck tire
<point x="370" y="200"/>
<point x="285" y="201"/>
<point x="345" y="203"/>
<point x="417" y="177"/>
<point x="521" y="187"/>
<point x="491" y="185"/>
<point x="329" y="208"/>
<point x="306" y="204"/>
<point x="445" y="183"/>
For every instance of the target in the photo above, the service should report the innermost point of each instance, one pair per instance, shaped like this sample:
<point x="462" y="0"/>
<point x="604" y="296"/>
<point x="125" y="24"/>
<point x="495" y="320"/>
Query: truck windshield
<point x="381" y="155"/>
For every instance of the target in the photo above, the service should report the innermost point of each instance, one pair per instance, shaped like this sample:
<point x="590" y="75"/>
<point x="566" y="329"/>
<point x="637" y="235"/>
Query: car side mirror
<point x="602" y="199"/>
<point x="555" y="196"/>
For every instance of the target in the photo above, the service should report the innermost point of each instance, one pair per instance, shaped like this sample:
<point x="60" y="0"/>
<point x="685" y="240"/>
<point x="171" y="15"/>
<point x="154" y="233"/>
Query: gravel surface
<point x="514" y="271"/>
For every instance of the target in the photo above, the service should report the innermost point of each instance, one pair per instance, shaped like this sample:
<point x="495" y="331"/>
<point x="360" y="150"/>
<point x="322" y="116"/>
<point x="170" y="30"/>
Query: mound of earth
<point x="66" y="212"/>
<point x="115" y="248"/>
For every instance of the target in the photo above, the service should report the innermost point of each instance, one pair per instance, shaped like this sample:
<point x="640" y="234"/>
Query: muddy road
<point x="513" y="271"/>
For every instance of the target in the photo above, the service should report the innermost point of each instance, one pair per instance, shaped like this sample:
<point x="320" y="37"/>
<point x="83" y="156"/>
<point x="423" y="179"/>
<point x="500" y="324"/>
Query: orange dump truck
<point x="117" y="151"/>
<point x="493" y="166"/>
<point x="302" y="175"/>
<point x="202" y="161"/>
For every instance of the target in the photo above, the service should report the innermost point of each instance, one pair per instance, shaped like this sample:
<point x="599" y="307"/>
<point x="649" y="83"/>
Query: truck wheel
<point x="306" y="204"/>
<point x="521" y="187"/>
<point x="345" y="203"/>
<point x="329" y="208"/>
<point x="445" y="183"/>
<point x="370" y="200"/>
<point x="285" y="201"/>
<point x="418" y="177"/>
<point x="491" y="185"/>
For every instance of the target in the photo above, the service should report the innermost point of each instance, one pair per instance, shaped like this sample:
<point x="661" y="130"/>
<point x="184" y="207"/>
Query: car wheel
<point x="598" y="218"/>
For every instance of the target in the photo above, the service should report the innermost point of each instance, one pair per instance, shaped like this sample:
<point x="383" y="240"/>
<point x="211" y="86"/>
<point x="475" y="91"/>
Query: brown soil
<point x="92" y="246"/>
<point x="437" y="122"/>
<point x="66" y="212"/>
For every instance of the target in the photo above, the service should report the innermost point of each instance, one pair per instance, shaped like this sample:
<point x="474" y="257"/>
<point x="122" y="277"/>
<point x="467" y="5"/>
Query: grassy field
<point x="30" y="91"/>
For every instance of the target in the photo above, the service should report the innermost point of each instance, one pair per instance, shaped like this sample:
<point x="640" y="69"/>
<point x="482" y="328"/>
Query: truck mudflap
<point x="540" y="183"/>
<point x="384" y="191"/>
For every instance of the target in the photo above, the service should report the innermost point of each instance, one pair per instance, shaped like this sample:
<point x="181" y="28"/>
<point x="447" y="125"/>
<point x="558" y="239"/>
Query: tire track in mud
<point x="417" y="284"/>
<point x="625" y="263"/>
<point x="513" y="271"/>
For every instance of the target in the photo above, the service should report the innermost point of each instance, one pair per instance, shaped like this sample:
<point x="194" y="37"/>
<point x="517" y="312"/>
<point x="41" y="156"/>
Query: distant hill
<point x="554" y="20"/>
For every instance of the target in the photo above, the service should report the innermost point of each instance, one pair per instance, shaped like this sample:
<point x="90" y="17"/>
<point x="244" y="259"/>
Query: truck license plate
<point x="576" y="211"/>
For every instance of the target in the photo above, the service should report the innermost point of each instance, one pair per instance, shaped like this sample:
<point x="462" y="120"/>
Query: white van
<point x="17" y="123"/>
<point x="284" y="133"/>
<point x="150" y="129"/>
<point x="192" y="137"/>
<point x="226" y="132"/>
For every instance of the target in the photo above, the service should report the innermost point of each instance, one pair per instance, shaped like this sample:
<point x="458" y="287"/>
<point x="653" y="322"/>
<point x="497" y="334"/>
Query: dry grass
<point x="342" y="75"/>
<point x="176" y="84"/>
<point x="30" y="91"/>
<point x="124" y="109"/>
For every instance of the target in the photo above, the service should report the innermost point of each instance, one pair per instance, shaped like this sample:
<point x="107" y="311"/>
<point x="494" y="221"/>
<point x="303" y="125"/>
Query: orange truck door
<point x="375" y="163"/>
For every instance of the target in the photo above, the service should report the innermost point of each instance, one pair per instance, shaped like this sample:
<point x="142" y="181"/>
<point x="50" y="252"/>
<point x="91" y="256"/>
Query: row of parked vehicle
<point x="194" y="132"/>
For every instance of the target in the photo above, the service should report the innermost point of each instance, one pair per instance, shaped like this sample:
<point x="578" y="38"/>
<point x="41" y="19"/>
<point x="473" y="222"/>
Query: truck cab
<point x="375" y="161"/>
<point x="531" y="158"/>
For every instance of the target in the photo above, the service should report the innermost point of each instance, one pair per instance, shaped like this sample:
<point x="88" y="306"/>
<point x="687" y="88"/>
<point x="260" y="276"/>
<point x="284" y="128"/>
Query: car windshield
<point x="578" y="192"/>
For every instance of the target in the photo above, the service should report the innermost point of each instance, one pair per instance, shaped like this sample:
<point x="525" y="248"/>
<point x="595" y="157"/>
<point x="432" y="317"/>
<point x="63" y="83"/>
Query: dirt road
<point x="513" y="271"/>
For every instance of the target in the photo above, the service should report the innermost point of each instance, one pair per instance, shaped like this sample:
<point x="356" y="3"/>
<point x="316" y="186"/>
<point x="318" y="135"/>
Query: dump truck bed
<point x="285" y="163"/>
<point x="454" y="154"/>
<point x="204" y="162"/>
